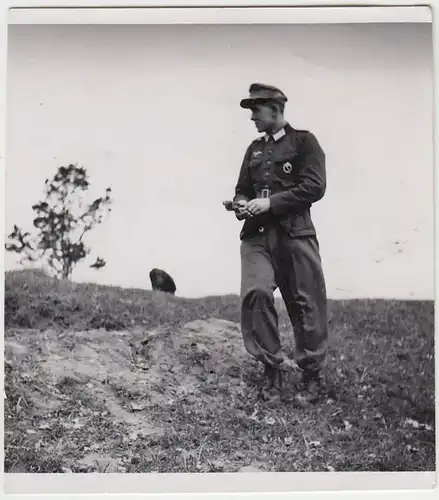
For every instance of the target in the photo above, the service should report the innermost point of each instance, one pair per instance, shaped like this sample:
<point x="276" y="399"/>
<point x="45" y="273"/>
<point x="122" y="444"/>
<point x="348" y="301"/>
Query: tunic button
<point x="261" y="229"/>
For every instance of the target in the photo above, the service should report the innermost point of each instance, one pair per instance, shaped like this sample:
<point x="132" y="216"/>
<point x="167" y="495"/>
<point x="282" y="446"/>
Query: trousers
<point x="270" y="260"/>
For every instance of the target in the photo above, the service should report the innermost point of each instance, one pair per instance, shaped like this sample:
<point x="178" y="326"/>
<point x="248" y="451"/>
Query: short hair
<point x="278" y="104"/>
<point x="270" y="103"/>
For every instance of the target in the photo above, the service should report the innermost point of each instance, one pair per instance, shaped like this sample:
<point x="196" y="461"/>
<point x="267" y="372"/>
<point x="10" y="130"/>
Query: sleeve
<point x="311" y="185"/>
<point x="244" y="187"/>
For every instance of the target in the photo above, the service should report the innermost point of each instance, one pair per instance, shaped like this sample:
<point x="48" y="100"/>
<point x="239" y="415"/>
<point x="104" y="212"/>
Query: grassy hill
<point x="111" y="379"/>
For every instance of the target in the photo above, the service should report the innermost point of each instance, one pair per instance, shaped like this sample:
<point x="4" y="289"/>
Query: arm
<point x="244" y="189"/>
<point x="311" y="186"/>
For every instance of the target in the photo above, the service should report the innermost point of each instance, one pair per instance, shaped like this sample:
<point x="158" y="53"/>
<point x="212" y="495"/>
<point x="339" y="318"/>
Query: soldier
<point x="281" y="176"/>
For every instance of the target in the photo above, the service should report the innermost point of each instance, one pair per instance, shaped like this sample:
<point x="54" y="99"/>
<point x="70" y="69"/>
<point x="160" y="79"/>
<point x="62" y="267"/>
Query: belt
<point x="264" y="193"/>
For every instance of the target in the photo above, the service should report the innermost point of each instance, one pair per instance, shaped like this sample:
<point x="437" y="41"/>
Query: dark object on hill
<point x="160" y="280"/>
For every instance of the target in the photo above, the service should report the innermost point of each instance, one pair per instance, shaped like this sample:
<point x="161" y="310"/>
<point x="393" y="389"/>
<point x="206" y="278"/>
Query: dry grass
<point x="84" y="394"/>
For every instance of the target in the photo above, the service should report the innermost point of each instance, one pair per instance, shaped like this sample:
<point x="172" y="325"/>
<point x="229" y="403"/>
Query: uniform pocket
<point x="255" y="162"/>
<point x="286" y="165"/>
<point x="286" y="171"/>
<point x="299" y="223"/>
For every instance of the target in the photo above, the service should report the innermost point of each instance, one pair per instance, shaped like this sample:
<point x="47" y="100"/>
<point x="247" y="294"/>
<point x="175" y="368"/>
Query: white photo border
<point x="336" y="485"/>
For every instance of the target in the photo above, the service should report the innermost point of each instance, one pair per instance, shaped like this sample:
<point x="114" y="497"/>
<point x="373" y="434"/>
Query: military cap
<point x="260" y="92"/>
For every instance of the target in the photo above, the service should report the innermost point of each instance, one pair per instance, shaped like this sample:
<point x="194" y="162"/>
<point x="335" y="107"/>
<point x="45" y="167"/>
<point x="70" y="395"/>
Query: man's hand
<point x="241" y="211"/>
<point x="239" y="208"/>
<point x="258" y="206"/>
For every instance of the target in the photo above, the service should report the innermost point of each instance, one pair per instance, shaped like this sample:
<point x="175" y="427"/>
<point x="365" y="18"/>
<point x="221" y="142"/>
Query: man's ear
<point x="275" y="108"/>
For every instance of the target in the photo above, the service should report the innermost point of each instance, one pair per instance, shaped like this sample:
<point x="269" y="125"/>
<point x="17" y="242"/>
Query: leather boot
<point x="310" y="388"/>
<point x="272" y="380"/>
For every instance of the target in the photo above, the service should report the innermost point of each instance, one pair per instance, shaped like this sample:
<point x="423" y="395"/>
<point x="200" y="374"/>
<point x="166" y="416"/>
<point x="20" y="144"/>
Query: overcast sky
<point x="153" y="112"/>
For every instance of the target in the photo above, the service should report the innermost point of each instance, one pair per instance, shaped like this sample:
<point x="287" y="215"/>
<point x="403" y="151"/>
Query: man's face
<point x="263" y="117"/>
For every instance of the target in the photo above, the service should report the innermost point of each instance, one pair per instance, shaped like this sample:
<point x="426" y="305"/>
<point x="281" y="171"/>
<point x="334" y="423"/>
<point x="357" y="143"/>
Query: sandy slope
<point x="126" y="372"/>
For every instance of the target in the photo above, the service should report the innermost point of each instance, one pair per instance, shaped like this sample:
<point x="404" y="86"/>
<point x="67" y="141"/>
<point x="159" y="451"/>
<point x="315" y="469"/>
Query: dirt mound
<point x="128" y="371"/>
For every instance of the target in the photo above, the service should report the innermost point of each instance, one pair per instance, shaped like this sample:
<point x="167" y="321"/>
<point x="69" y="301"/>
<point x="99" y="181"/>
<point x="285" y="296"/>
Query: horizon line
<point x="224" y="294"/>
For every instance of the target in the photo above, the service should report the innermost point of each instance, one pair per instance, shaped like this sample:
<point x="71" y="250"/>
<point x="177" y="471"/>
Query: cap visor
<point x="247" y="103"/>
<point x="250" y="102"/>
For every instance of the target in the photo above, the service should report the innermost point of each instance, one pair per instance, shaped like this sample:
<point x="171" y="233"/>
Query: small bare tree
<point x="62" y="220"/>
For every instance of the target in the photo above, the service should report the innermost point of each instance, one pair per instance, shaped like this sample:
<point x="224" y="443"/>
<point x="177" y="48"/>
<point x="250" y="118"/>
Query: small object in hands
<point x="239" y="208"/>
<point x="235" y="207"/>
<point x="230" y="206"/>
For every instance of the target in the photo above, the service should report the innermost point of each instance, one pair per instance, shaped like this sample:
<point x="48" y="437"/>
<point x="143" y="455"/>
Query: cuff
<point x="276" y="203"/>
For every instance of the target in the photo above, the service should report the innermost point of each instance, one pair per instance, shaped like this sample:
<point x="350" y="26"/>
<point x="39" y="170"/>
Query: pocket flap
<point x="286" y="155"/>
